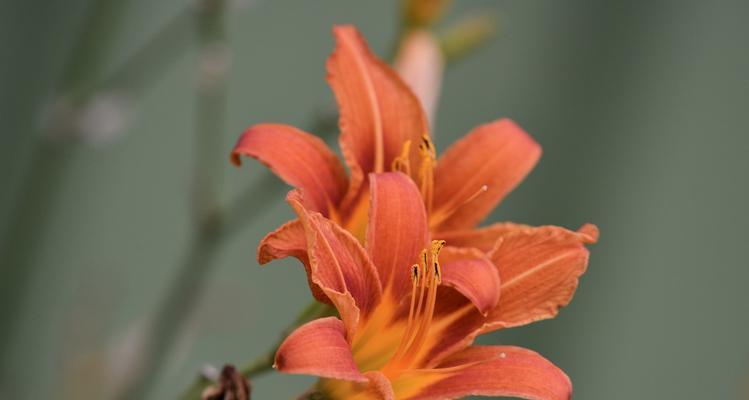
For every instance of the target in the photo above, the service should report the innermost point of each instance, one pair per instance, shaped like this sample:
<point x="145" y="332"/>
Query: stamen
<point x="428" y="156"/>
<point x="402" y="163"/>
<point x="437" y="246"/>
<point x="422" y="306"/>
<point x="442" y="215"/>
<point x="414" y="309"/>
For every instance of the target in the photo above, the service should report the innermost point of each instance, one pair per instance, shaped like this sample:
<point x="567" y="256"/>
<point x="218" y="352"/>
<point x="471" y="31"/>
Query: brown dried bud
<point x="231" y="386"/>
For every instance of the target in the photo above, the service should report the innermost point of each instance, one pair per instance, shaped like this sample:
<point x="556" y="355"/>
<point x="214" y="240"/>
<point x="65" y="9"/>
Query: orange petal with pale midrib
<point x="335" y="261"/>
<point x="397" y="229"/>
<point x="299" y="158"/>
<point x="499" y="155"/>
<point x="472" y="274"/>
<point x="290" y="240"/>
<point x="542" y="266"/>
<point x="539" y="268"/>
<point x="488" y="371"/>
<point x="319" y="348"/>
<point x="378" y="113"/>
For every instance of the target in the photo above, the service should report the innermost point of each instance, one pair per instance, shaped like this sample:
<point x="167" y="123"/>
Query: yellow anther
<point x="437" y="246"/>
<point x="427" y="156"/>
<point x="426" y="147"/>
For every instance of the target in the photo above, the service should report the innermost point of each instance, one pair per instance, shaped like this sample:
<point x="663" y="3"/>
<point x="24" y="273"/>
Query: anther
<point x="421" y="311"/>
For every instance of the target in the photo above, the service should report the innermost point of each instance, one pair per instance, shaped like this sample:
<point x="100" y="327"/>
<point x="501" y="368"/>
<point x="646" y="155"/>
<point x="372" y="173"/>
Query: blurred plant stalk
<point x="50" y="160"/>
<point x="263" y="364"/>
<point x="186" y="289"/>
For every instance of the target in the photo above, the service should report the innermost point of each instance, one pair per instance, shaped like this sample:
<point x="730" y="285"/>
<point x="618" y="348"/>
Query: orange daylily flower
<point x="401" y="337"/>
<point x="410" y="309"/>
<point x="383" y="128"/>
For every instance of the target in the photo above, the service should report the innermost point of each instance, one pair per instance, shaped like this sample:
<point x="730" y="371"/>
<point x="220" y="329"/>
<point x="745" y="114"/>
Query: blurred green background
<point x="642" y="109"/>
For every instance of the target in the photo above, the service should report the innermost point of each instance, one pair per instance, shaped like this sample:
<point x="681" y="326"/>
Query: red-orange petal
<point x="340" y="262"/>
<point x="483" y="238"/>
<point x="491" y="371"/>
<point x="319" y="348"/>
<point x="290" y="240"/>
<point x="496" y="156"/>
<point x="397" y="229"/>
<point x="338" y="268"/>
<point x="472" y="274"/>
<point x="539" y="268"/>
<point x="379" y="386"/>
<point x="378" y="113"/>
<point x="299" y="158"/>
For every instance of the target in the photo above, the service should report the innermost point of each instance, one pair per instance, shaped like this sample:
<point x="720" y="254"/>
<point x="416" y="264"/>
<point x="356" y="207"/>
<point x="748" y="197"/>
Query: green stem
<point x="149" y="61"/>
<point x="180" y="299"/>
<point x="50" y="161"/>
<point x="264" y="363"/>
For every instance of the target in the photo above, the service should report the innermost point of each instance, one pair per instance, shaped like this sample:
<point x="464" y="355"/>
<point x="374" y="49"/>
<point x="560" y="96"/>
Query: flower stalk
<point x="189" y="284"/>
<point x="264" y="363"/>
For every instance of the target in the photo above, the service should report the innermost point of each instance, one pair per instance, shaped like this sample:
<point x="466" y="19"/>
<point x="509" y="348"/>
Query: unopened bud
<point x="467" y="34"/>
<point x="421" y="13"/>
<point x="231" y="386"/>
<point x="420" y="63"/>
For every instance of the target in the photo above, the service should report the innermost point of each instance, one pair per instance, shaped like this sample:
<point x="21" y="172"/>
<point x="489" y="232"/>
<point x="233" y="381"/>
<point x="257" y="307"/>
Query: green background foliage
<point x="641" y="108"/>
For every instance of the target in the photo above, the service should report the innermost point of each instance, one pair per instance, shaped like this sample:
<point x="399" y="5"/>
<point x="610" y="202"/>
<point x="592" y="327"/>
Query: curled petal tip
<point x="590" y="232"/>
<point x="235" y="159"/>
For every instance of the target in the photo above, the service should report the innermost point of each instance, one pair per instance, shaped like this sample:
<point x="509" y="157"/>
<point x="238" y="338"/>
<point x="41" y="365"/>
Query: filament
<point x="426" y="277"/>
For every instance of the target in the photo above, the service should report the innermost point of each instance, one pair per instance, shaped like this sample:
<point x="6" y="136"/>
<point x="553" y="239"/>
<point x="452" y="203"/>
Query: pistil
<point x="441" y="215"/>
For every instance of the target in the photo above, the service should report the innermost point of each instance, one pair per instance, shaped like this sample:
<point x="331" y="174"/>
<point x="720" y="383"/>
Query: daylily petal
<point x="490" y="371"/>
<point x="299" y="158"/>
<point x="338" y="257"/>
<point x="513" y="308"/>
<point x="539" y="268"/>
<point x="494" y="157"/>
<point x="335" y="261"/>
<point x="377" y="388"/>
<point x="483" y="238"/>
<point x="319" y="348"/>
<point x="397" y="229"/>
<point x="472" y="274"/>
<point x="378" y="113"/>
<point x="290" y="240"/>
